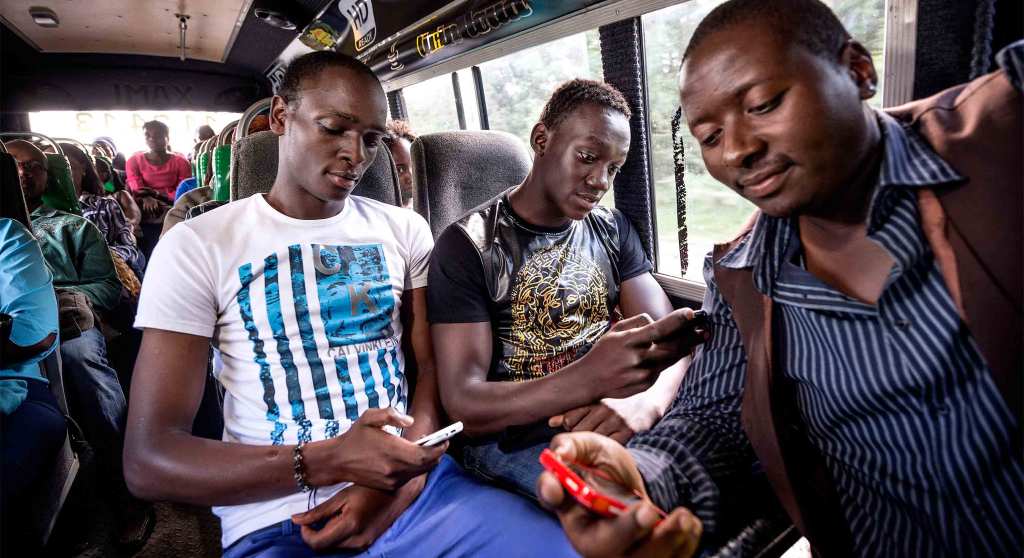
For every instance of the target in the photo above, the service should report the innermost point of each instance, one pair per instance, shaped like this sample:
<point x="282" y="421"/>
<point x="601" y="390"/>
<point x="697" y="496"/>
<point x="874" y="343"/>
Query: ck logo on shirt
<point x="352" y="331"/>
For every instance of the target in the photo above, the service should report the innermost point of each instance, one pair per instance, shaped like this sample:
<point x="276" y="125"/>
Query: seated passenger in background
<point x="32" y="426"/>
<point x="103" y="211"/>
<point x="399" y="141"/>
<point x="86" y="284"/>
<point x="157" y="171"/>
<point x="525" y="290"/>
<point x="867" y="347"/>
<point x="316" y="316"/>
<point x="204" y="133"/>
<point x="117" y="158"/>
<point x="105" y="171"/>
<point x="153" y="176"/>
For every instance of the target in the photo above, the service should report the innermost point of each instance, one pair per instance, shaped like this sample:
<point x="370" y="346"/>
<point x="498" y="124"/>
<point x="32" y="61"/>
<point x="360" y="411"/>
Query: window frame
<point x="900" y="51"/>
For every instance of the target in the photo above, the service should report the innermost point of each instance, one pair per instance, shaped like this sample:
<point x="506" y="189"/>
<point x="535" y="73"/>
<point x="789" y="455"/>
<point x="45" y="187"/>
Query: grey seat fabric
<point x="456" y="172"/>
<point x="254" y="167"/>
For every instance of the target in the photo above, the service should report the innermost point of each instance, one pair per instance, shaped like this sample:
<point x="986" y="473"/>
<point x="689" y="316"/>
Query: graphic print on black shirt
<point x="548" y="293"/>
<point x="559" y="307"/>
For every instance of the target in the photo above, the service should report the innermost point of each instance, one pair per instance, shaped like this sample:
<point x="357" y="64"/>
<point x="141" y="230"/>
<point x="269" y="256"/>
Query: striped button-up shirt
<point x="896" y="396"/>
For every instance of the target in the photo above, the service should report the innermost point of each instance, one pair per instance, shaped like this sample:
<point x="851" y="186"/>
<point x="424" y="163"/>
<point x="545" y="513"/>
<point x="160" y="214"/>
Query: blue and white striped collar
<point x="907" y="162"/>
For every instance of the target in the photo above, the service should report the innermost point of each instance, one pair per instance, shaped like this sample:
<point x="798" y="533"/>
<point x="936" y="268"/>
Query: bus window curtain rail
<point x="622" y="61"/>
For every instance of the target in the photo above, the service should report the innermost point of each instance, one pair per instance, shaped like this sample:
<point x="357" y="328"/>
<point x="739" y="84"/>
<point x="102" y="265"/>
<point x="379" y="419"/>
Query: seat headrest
<point x="459" y="171"/>
<point x="254" y="167"/>
<point x="60" y="187"/>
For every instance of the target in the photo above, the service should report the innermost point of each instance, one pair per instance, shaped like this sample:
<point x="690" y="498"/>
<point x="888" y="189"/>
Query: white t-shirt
<point x="304" y="313"/>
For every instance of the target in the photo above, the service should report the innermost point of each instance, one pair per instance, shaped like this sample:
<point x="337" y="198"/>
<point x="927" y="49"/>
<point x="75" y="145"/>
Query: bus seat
<point x="380" y="181"/>
<point x="58" y="480"/>
<point x="457" y="171"/>
<point x="254" y="167"/>
<point x="202" y="163"/>
<point x="60" y="189"/>
<point x="221" y="164"/>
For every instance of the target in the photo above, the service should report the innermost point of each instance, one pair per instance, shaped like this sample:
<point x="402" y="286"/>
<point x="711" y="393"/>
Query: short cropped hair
<point x="578" y="92"/>
<point x="808" y="23"/>
<point x="313" y="64"/>
<point x="157" y="127"/>
<point x="398" y="129"/>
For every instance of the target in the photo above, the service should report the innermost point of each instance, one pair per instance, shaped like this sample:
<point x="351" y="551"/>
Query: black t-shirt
<point x="548" y="293"/>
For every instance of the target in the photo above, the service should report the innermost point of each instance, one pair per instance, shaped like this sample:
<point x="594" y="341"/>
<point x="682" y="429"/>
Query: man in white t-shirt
<point x="316" y="301"/>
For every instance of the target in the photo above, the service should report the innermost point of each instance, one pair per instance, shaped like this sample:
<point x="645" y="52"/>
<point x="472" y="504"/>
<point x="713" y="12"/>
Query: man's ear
<point x="857" y="61"/>
<point x="278" y="114"/>
<point x="539" y="139"/>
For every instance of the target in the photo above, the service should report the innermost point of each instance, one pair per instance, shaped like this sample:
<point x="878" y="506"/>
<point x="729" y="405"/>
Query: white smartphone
<point x="435" y="438"/>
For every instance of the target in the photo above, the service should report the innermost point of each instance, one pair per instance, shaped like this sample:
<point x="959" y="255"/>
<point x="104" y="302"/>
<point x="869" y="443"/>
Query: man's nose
<point x="599" y="179"/>
<point x="740" y="145"/>
<point x="354" y="151"/>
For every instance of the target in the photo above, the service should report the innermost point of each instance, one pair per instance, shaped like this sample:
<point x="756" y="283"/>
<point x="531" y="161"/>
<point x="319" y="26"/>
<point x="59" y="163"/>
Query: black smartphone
<point x="693" y="332"/>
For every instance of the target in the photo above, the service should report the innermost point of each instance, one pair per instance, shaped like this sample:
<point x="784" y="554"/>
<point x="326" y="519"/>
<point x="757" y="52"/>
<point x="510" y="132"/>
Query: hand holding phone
<point x="435" y="438"/>
<point x="592" y="488"/>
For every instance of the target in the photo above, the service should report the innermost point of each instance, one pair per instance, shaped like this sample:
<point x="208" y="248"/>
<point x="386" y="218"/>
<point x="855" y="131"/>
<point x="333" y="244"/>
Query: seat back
<point x="56" y="482"/>
<point x="254" y="168"/>
<point x="456" y="172"/>
<point x="60" y="189"/>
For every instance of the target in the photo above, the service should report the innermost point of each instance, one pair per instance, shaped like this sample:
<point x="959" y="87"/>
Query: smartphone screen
<point x="605" y="485"/>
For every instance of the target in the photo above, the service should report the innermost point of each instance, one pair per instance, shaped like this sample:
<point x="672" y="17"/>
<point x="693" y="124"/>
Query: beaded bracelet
<point x="300" y="469"/>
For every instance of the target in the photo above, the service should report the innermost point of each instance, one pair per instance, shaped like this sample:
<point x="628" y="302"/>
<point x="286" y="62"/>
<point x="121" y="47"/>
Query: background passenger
<point x="399" y="141"/>
<point x="522" y="313"/>
<point x="103" y="211"/>
<point x="117" y="158"/>
<point x="153" y="176"/>
<point x="32" y="427"/>
<point x="204" y="133"/>
<point x="86" y="284"/>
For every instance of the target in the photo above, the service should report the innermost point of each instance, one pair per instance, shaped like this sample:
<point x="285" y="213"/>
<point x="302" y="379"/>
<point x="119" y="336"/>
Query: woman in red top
<point x="152" y="178"/>
<point x="157" y="169"/>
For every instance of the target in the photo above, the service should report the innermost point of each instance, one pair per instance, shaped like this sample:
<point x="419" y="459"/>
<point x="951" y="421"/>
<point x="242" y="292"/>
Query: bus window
<point x="713" y="212"/>
<point x="517" y="86"/>
<point x="431" y="105"/>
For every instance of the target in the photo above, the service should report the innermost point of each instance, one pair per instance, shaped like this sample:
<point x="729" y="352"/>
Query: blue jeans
<point x="515" y="470"/>
<point x="30" y="439"/>
<point x="455" y="515"/>
<point x="95" y="399"/>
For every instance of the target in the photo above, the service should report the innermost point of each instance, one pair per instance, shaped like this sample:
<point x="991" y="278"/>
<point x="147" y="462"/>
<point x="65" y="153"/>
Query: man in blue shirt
<point x="888" y="386"/>
<point x="31" y="425"/>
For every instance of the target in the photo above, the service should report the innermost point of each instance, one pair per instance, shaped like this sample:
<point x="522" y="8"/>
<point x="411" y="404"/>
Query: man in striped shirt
<point x="890" y="385"/>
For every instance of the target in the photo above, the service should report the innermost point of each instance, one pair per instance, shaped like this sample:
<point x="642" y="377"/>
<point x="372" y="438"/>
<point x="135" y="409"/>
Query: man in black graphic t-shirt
<point x="524" y="289"/>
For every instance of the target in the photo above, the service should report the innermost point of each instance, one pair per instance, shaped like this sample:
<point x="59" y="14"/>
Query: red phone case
<point x="588" y="496"/>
